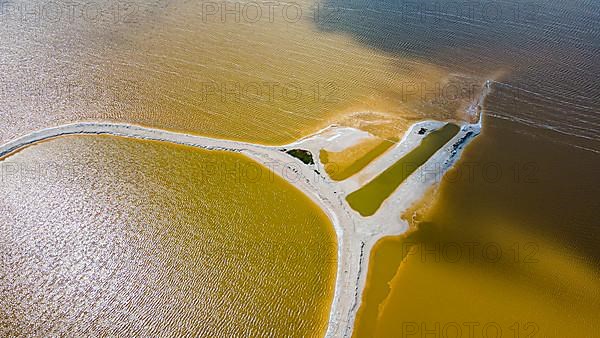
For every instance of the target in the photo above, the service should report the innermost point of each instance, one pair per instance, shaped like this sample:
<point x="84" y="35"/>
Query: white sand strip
<point x="356" y="235"/>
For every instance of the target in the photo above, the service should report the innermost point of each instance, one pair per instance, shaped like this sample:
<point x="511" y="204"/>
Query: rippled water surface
<point x="515" y="252"/>
<point x="171" y="64"/>
<point x="527" y="185"/>
<point x="105" y="236"/>
<point x="530" y="179"/>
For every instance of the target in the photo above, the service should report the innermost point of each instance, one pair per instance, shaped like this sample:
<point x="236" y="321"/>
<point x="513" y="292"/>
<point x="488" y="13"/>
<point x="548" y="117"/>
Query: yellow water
<point x="106" y="236"/>
<point x="535" y="289"/>
<point x="168" y="66"/>
<point x="512" y="252"/>
<point x="156" y="69"/>
<point x="265" y="82"/>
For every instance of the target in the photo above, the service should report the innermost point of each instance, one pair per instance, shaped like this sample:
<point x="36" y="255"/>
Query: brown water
<point x="511" y="237"/>
<point x="540" y="135"/>
<point x="173" y="66"/>
<point x="158" y="67"/>
<point x="106" y="236"/>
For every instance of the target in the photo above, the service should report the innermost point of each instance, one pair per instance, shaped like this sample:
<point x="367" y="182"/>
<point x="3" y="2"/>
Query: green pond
<point x="369" y="198"/>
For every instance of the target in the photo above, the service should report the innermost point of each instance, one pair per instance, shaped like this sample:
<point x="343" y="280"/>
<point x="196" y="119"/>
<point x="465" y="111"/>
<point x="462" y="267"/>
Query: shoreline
<point x="354" y="240"/>
<point x="266" y="156"/>
<point x="355" y="235"/>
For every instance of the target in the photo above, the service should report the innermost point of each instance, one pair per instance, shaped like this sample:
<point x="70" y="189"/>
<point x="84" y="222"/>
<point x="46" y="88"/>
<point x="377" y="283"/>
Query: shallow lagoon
<point x="104" y="235"/>
<point x="369" y="197"/>
<point x="344" y="164"/>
